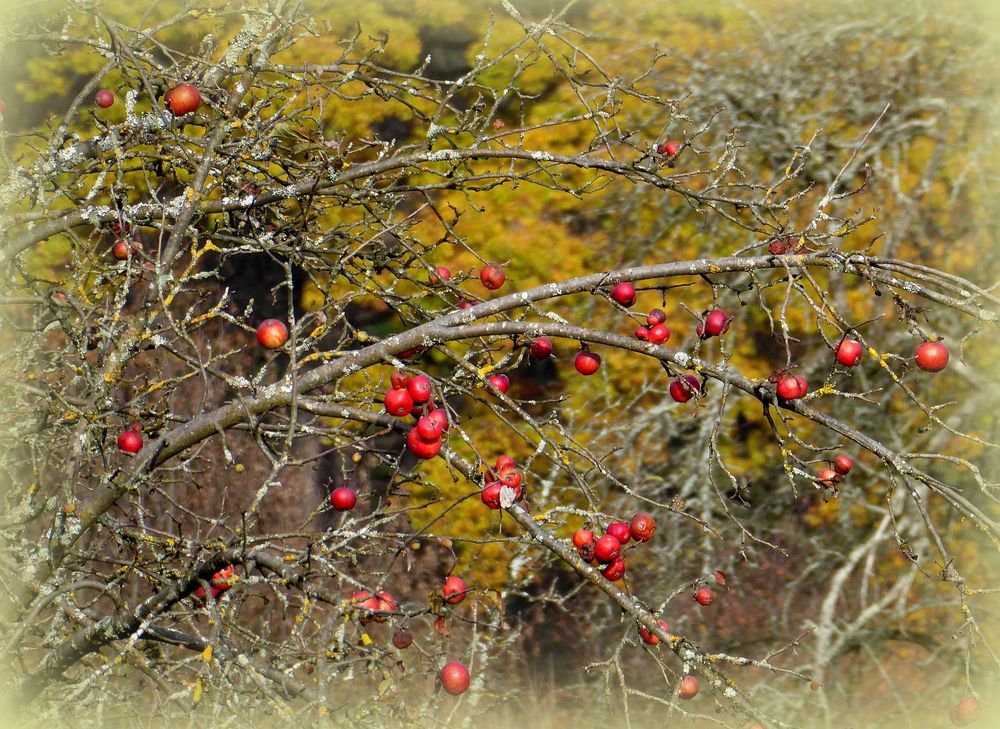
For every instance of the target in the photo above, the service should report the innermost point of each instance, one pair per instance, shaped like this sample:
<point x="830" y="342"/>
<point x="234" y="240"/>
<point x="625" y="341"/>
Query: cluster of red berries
<point x="220" y="582"/>
<point x="830" y="477"/>
<point x="413" y="395"/>
<point x="504" y="473"/>
<point x="607" y="549"/>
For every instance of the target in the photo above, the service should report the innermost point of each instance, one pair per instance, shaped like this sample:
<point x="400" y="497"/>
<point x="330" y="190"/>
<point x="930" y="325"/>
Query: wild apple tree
<point x="341" y="373"/>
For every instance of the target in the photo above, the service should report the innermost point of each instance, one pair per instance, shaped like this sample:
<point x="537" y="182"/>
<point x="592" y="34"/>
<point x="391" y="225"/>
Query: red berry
<point x="619" y="530"/>
<point x="642" y="333"/>
<point x="104" y="98"/>
<point x="792" y="387"/>
<point x="607" y="549"/>
<point x="504" y="462"/>
<point x="703" y="596"/>
<point x="122" y="248"/>
<point x="624" y="294"/>
<point x="182" y="99"/>
<point x="490" y="494"/>
<point x="429" y="428"/>
<point x="716" y="324"/>
<point x="440" y="275"/>
<point x="683" y="389"/>
<point x="465" y="304"/>
<point x="455" y="678"/>
<point x="582" y="537"/>
<point x="827" y="477"/>
<point x="541" y="348"/>
<point x="398" y="402"/>
<point x="614" y="571"/>
<point x="399" y="380"/>
<point x="419" y="388"/>
<point x="668" y="148"/>
<point x="439" y="416"/>
<point x="500" y="382"/>
<point x="649" y="636"/>
<point x="387" y="603"/>
<point x="587" y="363"/>
<point x="492" y="277"/>
<point x="656" y="316"/>
<point x="688" y="688"/>
<point x="659" y="334"/>
<point x="423" y="448"/>
<point x="137" y="427"/>
<point x="932" y="356"/>
<point x="454" y="590"/>
<point x="130" y="441"/>
<point x="272" y="334"/>
<point x="343" y="499"/>
<point x="843" y="464"/>
<point x="849" y="352"/>
<point x="966" y="711"/>
<point x="642" y="527"/>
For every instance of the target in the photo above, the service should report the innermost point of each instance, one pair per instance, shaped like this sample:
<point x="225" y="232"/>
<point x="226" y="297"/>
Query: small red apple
<point x="492" y="276"/>
<point x="582" y="537"/>
<point x="668" y="148"/>
<point x="656" y="316"/>
<point x="703" y="596"/>
<point x="104" y="98"/>
<point x="649" y="636"/>
<point x="399" y="380"/>
<point x="659" y="333"/>
<point x="439" y="416"/>
<point x="541" y="348"/>
<point x="716" y="324"/>
<point x="642" y="527"/>
<point x="624" y="294"/>
<point x="398" y="402"/>
<point x="828" y="477"/>
<point x="642" y="333"/>
<point x="122" y="248"/>
<point x="504" y="461"/>
<point x="587" y="363"/>
<point x="500" y="382"/>
<point x="454" y="590"/>
<point x="614" y="571"/>
<point x="429" y="428"/>
<point x="183" y="99"/>
<point x="688" y="688"/>
<point x="932" y="356"/>
<point x="490" y="494"/>
<point x="465" y="304"/>
<point x="455" y="678"/>
<point x="130" y="441"/>
<point x="849" y="352"/>
<point x="843" y="464"/>
<point x="792" y="387"/>
<point x="619" y="530"/>
<point x="607" y="549"/>
<point x="440" y="275"/>
<point x="343" y="499"/>
<point x="684" y="388"/>
<point x="419" y="388"/>
<point x="272" y="334"/>
<point x="423" y="448"/>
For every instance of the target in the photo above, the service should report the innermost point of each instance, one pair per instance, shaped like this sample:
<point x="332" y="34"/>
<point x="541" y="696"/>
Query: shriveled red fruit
<point x="932" y="356"/>
<point x="183" y="99"/>
<point x="642" y="333"/>
<point x="659" y="333"/>
<point x="137" y="427"/>
<point x="130" y="441"/>
<point x="642" y="527"/>
<point x="453" y="590"/>
<point x="541" y="348"/>
<point x="716" y="324"/>
<point x="419" y="388"/>
<point x="688" y="688"/>
<point x="343" y="498"/>
<point x="492" y="276"/>
<point x="624" y="294"/>
<point x="423" y="448"/>
<point x="668" y="149"/>
<point x="104" y="98"/>
<point x="792" y="387"/>
<point x="398" y="402"/>
<point x="586" y="552"/>
<point x="607" y="549"/>
<point x="582" y="537"/>
<point x="272" y="334"/>
<point x="619" y="530"/>
<point x="440" y="275"/>
<point x="455" y="678"/>
<point x="849" y="352"/>
<point x="703" y="596"/>
<point x="429" y="428"/>
<point x="843" y="464"/>
<point x="440" y="416"/>
<point x="684" y="388"/>
<point x="587" y="363"/>
<point x="402" y="639"/>
<point x="656" y="316"/>
<point x="720" y="578"/>
<point x="614" y="571"/>
<point x="500" y="382"/>
<point x="649" y="636"/>
<point x="827" y="477"/>
<point x="966" y="711"/>
<point x="490" y="494"/>
<point x="399" y="380"/>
